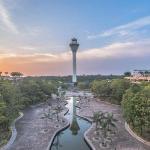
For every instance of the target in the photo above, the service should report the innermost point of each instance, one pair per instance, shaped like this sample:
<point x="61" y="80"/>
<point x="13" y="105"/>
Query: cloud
<point x="56" y="64"/>
<point x="37" y="64"/>
<point x="114" y="50"/>
<point x="6" y="19"/>
<point x="27" y="48"/>
<point x="34" y="58"/>
<point x="125" y="29"/>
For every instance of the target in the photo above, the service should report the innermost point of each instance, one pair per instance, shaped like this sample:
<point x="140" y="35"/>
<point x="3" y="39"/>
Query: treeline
<point x="110" y="90"/>
<point x="14" y="96"/>
<point x="81" y="78"/>
<point x="134" y="99"/>
<point x="136" y="108"/>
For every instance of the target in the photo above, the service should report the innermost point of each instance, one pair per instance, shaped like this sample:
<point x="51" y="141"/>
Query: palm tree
<point x="1" y="75"/>
<point x="104" y="133"/>
<point x="101" y="116"/>
<point x="15" y="75"/>
<point x="107" y="122"/>
<point x="98" y="117"/>
<point x="104" y="125"/>
<point x="110" y="121"/>
<point x="58" y="109"/>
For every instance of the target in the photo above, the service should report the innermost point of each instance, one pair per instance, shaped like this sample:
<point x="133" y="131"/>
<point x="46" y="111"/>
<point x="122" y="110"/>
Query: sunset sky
<point x="114" y="36"/>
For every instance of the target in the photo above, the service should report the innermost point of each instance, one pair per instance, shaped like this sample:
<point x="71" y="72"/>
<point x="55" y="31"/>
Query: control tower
<point x="74" y="47"/>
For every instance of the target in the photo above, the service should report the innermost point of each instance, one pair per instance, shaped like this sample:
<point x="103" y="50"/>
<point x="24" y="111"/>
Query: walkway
<point x="34" y="132"/>
<point x="123" y="141"/>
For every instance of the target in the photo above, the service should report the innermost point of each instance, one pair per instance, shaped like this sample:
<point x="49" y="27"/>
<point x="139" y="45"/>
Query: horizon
<point x="67" y="75"/>
<point x="114" y="37"/>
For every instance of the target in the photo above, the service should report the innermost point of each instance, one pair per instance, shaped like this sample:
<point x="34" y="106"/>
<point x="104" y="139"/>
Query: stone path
<point x="34" y="132"/>
<point x="123" y="141"/>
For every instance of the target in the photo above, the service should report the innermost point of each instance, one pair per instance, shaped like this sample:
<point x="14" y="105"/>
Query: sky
<point x="114" y="36"/>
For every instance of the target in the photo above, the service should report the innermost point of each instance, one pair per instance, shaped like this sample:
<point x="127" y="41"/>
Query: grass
<point x="4" y="136"/>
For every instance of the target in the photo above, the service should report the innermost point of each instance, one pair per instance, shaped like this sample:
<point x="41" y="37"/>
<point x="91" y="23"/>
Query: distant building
<point x="140" y="75"/>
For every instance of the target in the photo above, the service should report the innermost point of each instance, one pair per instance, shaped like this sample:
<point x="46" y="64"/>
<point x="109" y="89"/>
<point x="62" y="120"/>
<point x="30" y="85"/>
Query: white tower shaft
<point x="74" y="76"/>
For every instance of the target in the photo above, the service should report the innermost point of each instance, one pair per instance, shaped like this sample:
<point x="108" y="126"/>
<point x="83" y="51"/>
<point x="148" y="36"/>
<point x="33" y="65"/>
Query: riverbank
<point x="122" y="140"/>
<point x="35" y="131"/>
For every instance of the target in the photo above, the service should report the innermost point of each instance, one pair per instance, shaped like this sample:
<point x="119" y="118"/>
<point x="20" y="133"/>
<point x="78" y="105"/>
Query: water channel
<point x="72" y="138"/>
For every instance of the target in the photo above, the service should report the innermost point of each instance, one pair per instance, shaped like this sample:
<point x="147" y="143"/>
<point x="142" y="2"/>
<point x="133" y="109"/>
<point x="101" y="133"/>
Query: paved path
<point x="35" y="133"/>
<point x="124" y="140"/>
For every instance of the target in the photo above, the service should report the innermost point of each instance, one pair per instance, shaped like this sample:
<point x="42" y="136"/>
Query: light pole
<point x="74" y="47"/>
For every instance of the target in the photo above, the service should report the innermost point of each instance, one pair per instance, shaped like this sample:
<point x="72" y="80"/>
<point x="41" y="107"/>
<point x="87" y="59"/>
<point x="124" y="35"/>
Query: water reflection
<point x="57" y="144"/>
<point x="73" y="137"/>
<point x="74" y="127"/>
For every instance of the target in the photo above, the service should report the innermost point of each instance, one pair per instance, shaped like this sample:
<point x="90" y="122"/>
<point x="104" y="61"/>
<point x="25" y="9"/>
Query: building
<point x="140" y="75"/>
<point x="74" y="47"/>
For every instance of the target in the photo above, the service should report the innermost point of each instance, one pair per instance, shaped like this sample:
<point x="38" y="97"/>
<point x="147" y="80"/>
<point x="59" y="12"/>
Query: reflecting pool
<point x="72" y="138"/>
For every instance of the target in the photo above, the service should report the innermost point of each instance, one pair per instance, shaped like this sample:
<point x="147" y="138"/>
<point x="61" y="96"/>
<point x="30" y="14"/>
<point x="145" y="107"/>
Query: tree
<point x="15" y="97"/>
<point x="127" y="74"/>
<point x="96" y="118"/>
<point x="104" y="123"/>
<point x="31" y="90"/>
<point x="83" y="85"/>
<point x="119" y="86"/>
<point x="47" y="87"/>
<point x="6" y="73"/>
<point x="128" y="107"/>
<point x="16" y="74"/>
<point x="101" y="88"/>
<point x="136" y="108"/>
<point x="110" y="120"/>
<point x="111" y="90"/>
<point x="146" y="91"/>
<point x="140" y="109"/>
<point x="58" y="109"/>
<point x="4" y="122"/>
<point x="1" y="75"/>
<point x="10" y="97"/>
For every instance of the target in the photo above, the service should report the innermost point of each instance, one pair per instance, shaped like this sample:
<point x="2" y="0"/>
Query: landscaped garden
<point x="107" y="103"/>
<point x="16" y="96"/>
<point x="133" y="98"/>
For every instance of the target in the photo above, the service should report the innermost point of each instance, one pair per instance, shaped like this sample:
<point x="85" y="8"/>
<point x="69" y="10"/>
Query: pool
<point x="72" y="138"/>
